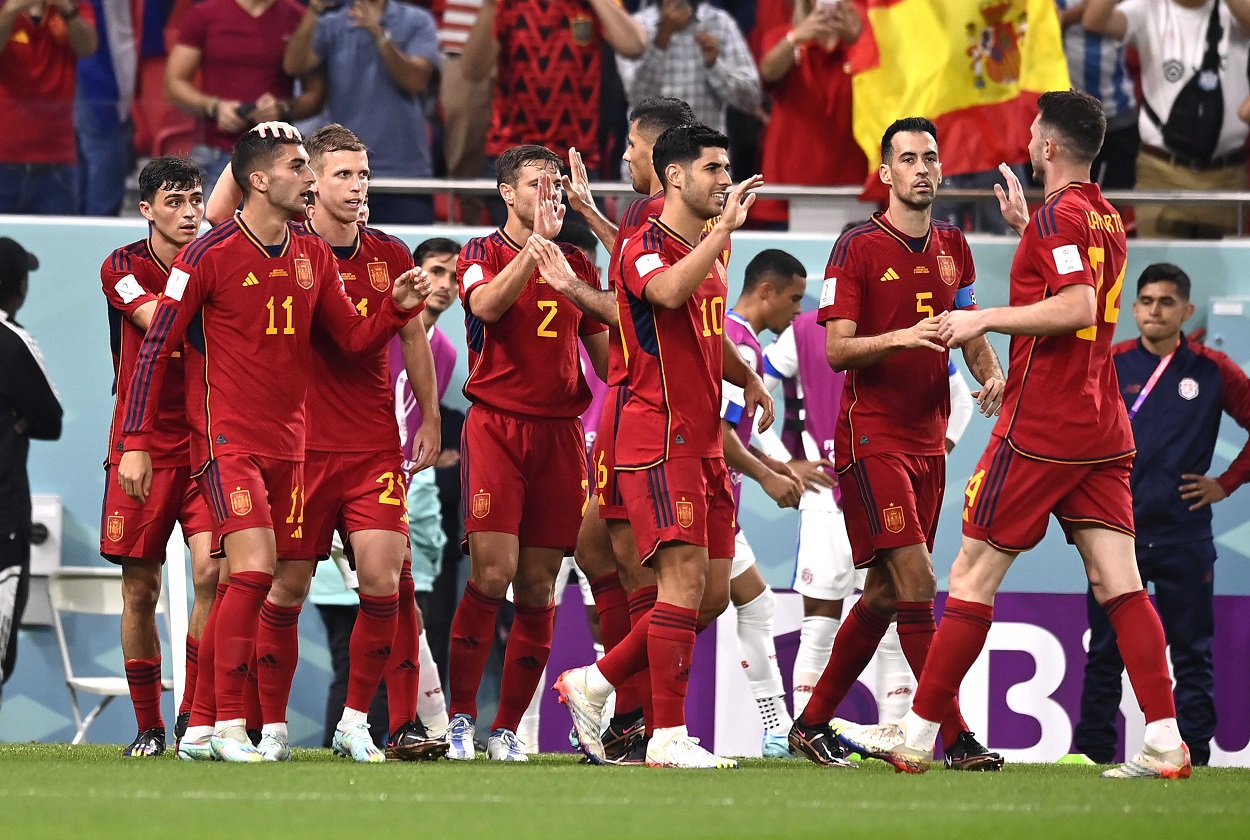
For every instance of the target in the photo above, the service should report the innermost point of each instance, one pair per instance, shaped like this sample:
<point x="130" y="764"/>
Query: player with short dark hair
<point x="355" y="479"/>
<point x="670" y="459"/>
<point x="246" y="297"/>
<point x="1063" y="445"/>
<point x="134" y="534"/>
<point x="887" y="284"/>
<point x="523" y="458"/>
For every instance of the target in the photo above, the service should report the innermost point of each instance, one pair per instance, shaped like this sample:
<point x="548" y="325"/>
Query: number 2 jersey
<point x="247" y="311"/>
<point x="1062" y="401"/>
<point x="884" y="280"/>
<point x="527" y="361"/>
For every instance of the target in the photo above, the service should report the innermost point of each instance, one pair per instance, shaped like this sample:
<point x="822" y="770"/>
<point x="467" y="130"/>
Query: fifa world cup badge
<point x="303" y="272"/>
<point x="379" y="276"/>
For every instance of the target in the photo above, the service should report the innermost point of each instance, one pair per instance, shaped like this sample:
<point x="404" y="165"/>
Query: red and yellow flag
<point x="974" y="67"/>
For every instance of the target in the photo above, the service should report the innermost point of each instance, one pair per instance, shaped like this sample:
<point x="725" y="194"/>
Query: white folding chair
<point x="90" y="590"/>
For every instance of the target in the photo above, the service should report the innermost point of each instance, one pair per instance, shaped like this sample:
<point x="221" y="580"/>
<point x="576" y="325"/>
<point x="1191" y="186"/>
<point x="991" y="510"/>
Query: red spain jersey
<point x="247" y="311"/>
<point x="351" y="407"/>
<point x="638" y="213"/>
<point x="884" y="280"/>
<point x="550" y="54"/>
<point x="1062" y="401"/>
<point x="675" y="357"/>
<point x="133" y="276"/>
<point x="527" y="362"/>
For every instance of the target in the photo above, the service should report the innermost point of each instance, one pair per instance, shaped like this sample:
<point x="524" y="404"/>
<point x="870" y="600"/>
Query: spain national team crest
<point x="947" y="270"/>
<point x="893" y="518"/>
<point x="685" y="513"/>
<point x="1188" y="388"/>
<point x="582" y="28"/>
<point x="481" y="505"/>
<point x="379" y="276"/>
<point x="241" y="502"/>
<point x="115" y="528"/>
<point x="303" y="272"/>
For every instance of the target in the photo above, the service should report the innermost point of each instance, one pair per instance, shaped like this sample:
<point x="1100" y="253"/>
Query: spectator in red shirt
<point x="40" y="44"/>
<point x="235" y="47"/>
<point x="803" y="70"/>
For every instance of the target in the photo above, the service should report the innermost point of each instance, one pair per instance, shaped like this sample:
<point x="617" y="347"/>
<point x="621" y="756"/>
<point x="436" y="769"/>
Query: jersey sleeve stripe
<point x="840" y="248"/>
<point x="195" y="251"/>
<point x="156" y="334"/>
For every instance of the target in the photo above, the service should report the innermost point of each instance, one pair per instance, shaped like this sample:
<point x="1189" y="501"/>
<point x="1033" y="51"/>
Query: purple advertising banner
<point x="1022" y="696"/>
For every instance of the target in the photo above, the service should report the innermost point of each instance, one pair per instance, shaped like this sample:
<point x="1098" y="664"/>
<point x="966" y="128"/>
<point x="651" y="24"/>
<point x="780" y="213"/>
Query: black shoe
<point x="149" y="742"/>
<point x="411" y="742"/>
<point x="637" y="754"/>
<point x="254" y="735"/>
<point x="620" y="738"/>
<point x="180" y="725"/>
<point x="819" y="744"/>
<point x="967" y="753"/>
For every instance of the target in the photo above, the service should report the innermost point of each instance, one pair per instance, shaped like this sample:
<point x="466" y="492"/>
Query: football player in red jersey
<point x="887" y="284"/>
<point x="133" y="535"/>
<point x="1062" y="446"/>
<point x="246" y="297"/>
<point x="353" y="475"/>
<point x="523" y="459"/>
<point x="670" y="457"/>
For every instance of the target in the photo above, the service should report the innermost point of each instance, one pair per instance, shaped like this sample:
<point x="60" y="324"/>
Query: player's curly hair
<point x="682" y="145"/>
<point x="509" y="165"/>
<point x="1077" y="119"/>
<point x="169" y="172"/>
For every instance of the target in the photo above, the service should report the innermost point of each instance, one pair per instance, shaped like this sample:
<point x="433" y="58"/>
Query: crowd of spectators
<point x="439" y="87"/>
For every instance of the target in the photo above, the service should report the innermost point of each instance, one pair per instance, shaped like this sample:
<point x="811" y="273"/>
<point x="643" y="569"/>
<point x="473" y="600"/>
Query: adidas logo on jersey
<point x="250" y="280"/>
<point x="890" y="274"/>
<point x="221" y="439"/>
<point x="680" y="440"/>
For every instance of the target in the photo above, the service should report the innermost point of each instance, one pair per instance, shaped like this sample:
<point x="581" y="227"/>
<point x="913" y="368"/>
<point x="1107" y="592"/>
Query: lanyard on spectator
<point x="1150" y="383"/>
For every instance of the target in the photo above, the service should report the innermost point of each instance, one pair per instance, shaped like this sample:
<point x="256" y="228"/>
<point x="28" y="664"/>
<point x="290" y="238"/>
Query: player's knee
<point x="289" y="591"/>
<point x="141" y="593"/>
<point x="880" y="601"/>
<point x="758" y="613"/>
<point x="491" y="581"/>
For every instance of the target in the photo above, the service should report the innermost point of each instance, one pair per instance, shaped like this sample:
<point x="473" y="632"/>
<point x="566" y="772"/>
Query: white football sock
<point x="759" y="652"/>
<point x="895" y="681"/>
<point x="815" y="645"/>
<point x="921" y="734"/>
<point x="1163" y="735"/>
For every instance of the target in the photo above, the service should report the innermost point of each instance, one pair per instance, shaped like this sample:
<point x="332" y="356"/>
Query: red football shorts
<point x="352" y="491"/>
<point x="685" y="500"/>
<point x="891" y="500"/>
<point x="140" y="531"/>
<point x="603" y="458"/>
<point x="523" y="476"/>
<point x="1010" y="497"/>
<point x="252" y="491"/>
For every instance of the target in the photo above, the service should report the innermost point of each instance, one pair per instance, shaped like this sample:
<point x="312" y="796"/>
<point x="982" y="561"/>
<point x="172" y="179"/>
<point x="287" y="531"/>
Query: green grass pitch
<point x="62" y="792"/>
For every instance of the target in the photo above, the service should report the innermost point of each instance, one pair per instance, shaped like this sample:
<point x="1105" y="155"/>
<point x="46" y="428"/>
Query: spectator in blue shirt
<point x="1176" y="392"/>
<point x="379" y="59"/>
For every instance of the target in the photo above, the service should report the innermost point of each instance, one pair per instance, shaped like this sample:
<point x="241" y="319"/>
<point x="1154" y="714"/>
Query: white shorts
<point x="823" y="567"/>
<point x="744" y="556"/>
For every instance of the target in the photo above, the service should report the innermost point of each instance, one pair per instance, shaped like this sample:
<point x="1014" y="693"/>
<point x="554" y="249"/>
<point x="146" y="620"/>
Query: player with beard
<point x="887" y="284"/>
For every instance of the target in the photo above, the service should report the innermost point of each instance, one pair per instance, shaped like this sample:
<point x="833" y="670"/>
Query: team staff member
<point x="1175" y="392"/>
<point x="29" y="408"/>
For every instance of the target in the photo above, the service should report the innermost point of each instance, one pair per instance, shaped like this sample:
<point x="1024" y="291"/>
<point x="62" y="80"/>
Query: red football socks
<point x="956" y="645"/>
<point x="1139" y="634"/>
<point x="403" y="669"/>
<point x="472" y="635"/>
<point x="192" y="671"/>
<point x="277" y="654"/>
<point x="529" y="647"/>
<point x="641" y="603"/>
<point x="853" y="649"/>
<point x="670" y="650"/>
<point x="236" y="640"/>
<point x="204" y="703"/>
<point x="144" y="678"/>
<point x="614" y="624"/>
<point x="915" y="633"/>
<point x="370" y="647"/>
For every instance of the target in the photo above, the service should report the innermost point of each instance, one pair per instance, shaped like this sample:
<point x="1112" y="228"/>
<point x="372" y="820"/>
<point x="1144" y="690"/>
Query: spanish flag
<point x="974" y="67"/>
